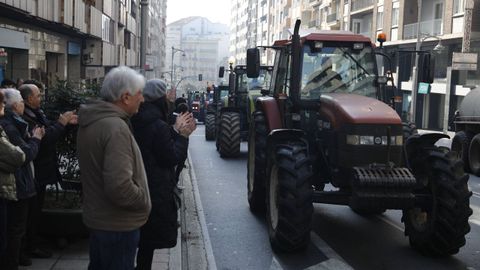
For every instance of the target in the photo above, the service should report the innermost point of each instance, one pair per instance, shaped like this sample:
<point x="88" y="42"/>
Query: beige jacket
<point x="11" y="158"/>
<point x="115" y="190"/>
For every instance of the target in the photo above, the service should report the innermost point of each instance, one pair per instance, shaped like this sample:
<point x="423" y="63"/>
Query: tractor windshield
<point x="338" y="69"/>
<point x="246" y="84"/>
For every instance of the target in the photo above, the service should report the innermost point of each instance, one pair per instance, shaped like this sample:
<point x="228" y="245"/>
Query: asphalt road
<point x="240" y="240"/>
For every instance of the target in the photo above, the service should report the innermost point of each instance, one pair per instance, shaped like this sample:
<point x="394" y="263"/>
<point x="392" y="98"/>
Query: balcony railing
<point x="331" y="18"/>
<point x="361" y="4"/>
<point x="433" y="28"/>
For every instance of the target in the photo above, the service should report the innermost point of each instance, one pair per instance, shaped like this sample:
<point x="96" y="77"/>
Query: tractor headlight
<point x="373" y="140"/>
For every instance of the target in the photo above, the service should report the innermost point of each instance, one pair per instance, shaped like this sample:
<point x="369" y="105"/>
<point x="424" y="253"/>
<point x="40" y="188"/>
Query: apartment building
<point x="74" y="39"/>
<point x="199" y="47"/>
<point x="156" y="42"/>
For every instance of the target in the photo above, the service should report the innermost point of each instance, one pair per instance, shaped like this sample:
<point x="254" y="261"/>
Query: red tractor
<point x="324" y="122"/>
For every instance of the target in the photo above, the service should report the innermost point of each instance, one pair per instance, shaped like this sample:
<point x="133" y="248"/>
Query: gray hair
<point x="120" y="80"/>
<point x="12" y="96"/>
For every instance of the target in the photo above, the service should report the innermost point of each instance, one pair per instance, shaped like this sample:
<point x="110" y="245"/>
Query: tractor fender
<point x="268" y="105"/>
<point x="417" y="142"/>
<point x="283" y="135"/>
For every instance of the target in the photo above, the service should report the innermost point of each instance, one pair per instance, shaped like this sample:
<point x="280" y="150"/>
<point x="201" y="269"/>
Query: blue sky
<point x="214" y="10"/>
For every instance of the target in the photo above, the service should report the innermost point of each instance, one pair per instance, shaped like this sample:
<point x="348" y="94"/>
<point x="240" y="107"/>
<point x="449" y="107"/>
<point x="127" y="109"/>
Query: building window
<point x="458" y="6"/>
<point x="395" y="13"/>
<point x="380" y="17"/>
<point x="107" y="29"/>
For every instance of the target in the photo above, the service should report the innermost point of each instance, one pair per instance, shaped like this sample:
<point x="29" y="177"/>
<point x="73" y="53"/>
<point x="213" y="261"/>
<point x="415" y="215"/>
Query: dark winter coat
<point x="162" y="149"/>
<point x="17" y="131"/>
<point x="46" y="166"/>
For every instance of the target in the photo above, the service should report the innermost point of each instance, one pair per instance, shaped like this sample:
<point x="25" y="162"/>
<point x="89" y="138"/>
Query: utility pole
<point x="144" y="33"/>
<point x="413" y="107"/>
<point x="468" y="25"/>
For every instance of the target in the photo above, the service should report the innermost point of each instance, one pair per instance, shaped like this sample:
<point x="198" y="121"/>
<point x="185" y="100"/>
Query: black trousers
<point x="3" y="226"/>
<point x="144" y="258"/>
<point x="17" y="213"/>
<point x="31" y="241"/>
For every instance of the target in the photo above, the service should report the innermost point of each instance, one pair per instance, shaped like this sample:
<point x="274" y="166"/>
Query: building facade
<point x="76" y="39"/>
<point x="196" y="46"/>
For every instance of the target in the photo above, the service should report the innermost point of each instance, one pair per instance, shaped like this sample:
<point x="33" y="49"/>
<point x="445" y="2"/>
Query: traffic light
<point x="200" y="77"/>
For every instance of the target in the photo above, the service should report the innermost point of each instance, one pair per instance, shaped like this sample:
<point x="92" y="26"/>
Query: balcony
<point x="331" y="18"/>
<point x="361" y="4"/>
<point x="433" y="28"/>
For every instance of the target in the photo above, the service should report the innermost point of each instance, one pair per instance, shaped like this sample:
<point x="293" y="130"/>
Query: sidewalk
<point x="190" y="252"/>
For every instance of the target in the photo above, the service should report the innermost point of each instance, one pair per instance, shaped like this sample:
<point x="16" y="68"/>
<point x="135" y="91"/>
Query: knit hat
<point x="154" y="89"/>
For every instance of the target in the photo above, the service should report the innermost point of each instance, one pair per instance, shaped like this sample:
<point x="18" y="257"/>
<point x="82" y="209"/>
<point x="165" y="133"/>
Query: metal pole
<point x="144" y="33"/>
<point x="171" y="73"/>
<point x="446" y="112"/>
<point x="468" y="25"/>
<point x="413" y="107"/>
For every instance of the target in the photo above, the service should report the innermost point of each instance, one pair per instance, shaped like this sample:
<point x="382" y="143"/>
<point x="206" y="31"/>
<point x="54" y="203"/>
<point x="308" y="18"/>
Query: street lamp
<point x="439" y="48"/>
<point x="174" y="50"/>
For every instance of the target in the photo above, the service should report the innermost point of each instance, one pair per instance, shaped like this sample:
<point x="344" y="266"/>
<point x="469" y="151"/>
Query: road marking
<point x="332" y="256"/>
<point x="275" y="265"/>
<point x="476" y="194"/>
<point x="330" y="264"/>
<point x="201" y="216"/>
<point x="391" y="223"/>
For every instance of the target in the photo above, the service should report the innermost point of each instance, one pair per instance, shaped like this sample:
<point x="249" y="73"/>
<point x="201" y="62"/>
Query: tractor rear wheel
<point x="474" y="155"/>
<point x="438" y="227"/>
<point x="460" y="145"/>
<point x="229" y="138"/>
<point x="289" y="197"/>
<point x="257" y="144"/>
<point x="210" y="127"/>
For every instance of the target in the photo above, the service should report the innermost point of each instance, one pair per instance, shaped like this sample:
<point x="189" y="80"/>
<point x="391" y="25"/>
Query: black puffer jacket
<point x="162" y="149"/>
<point x="17" y="131"/>
<point x="46" y="166"/>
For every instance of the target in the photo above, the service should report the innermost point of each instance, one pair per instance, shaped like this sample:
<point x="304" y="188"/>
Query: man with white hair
<point x="116" y="199"/>
<point x="17" y="131"/>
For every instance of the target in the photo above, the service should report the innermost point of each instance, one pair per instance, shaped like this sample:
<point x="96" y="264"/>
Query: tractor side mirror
<point x="253" y="63"/>
<point x="221" y="72"/>
<point x="426" y="67"/>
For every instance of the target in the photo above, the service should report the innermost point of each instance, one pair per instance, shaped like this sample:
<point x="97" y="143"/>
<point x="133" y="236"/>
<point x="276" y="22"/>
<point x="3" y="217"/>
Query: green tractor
<point x="234" y="114"/>
<point x="324" y="122"/>
<point x="218" y="94"/>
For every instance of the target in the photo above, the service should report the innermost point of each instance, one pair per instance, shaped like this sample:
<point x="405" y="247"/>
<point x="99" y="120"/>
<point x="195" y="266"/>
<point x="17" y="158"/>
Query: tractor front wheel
<point x="289" y="197"/>
<point x="229" y="138"/>
<point x="438" y="227"/>
<point x="210" y="127"/>
<point x="257" y="143"/>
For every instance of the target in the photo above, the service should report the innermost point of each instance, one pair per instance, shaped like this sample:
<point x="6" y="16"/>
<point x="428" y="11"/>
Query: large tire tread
<point x="229" y="141"/>
<point x="257" y="193"/>
<point x="210" y="127"/>
<point x="447" y="223"/>
<point x="294" y="198"/>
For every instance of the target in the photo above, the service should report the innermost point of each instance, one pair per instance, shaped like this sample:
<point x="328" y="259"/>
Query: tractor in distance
<point x="324" y="123"/>
<point x="234" y="117"/>
<point x="196" y="101"/>
<point x="218" y="95"/>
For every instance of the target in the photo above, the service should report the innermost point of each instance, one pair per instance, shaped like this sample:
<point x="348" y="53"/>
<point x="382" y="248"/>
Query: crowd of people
<point x="135" y="138"/>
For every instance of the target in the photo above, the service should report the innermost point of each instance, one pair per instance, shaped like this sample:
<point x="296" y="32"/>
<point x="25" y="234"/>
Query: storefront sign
<point x="423" y="88"/>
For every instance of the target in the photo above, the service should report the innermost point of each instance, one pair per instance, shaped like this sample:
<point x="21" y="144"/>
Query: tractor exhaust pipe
<point x="294" y="75"/>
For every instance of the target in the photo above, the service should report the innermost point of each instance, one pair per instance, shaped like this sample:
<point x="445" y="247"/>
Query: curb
<point x="196" y="247"/>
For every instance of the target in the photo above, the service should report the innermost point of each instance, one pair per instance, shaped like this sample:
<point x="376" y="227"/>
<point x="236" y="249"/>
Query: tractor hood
<point x="342" y="109"/>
